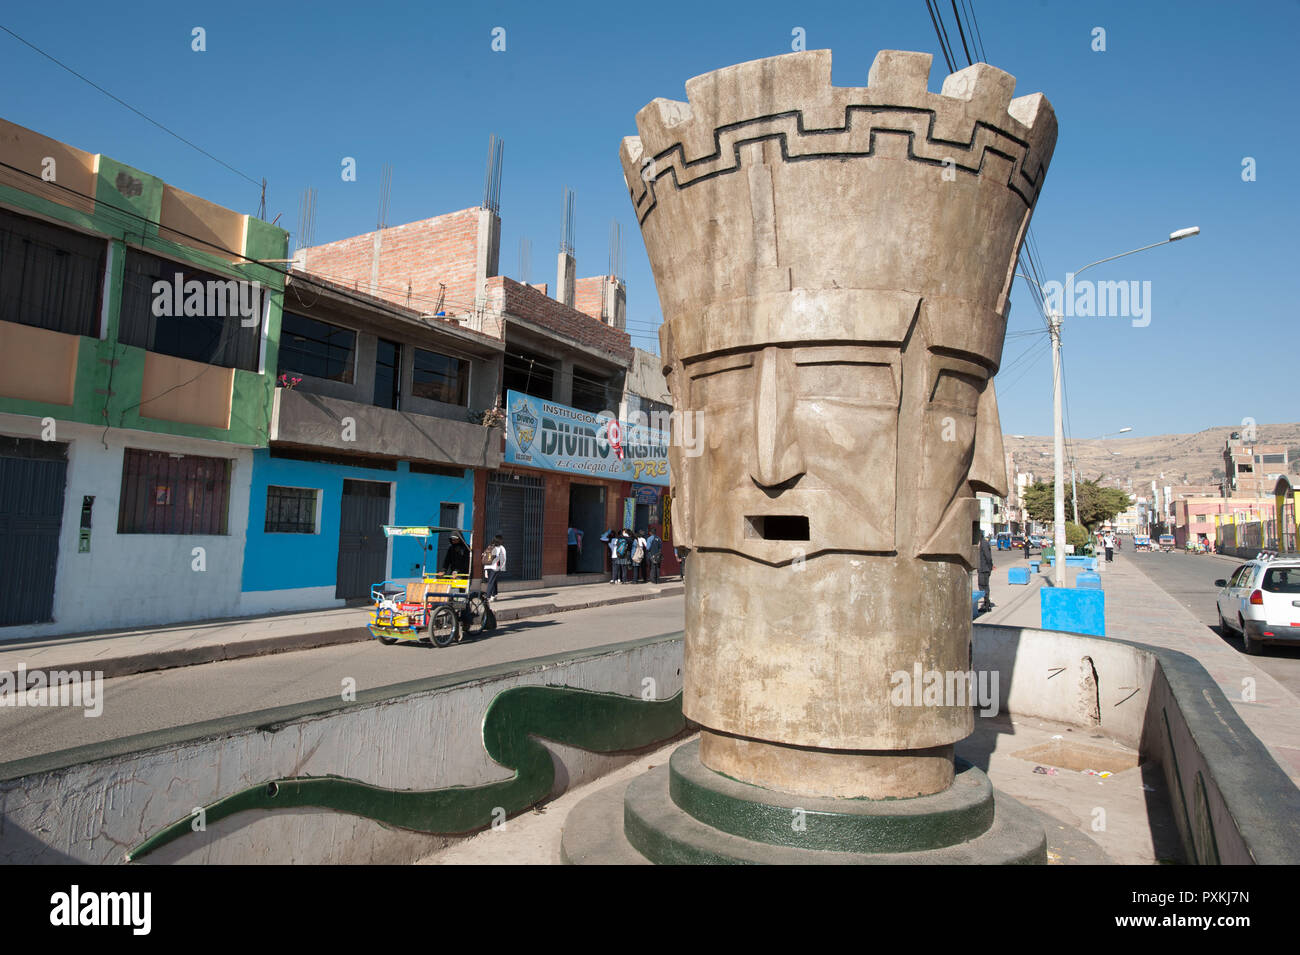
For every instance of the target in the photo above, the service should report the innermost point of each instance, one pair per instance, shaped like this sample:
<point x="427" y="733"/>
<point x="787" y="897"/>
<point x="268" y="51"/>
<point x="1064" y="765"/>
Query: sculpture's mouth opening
<point x="776" y="527"/>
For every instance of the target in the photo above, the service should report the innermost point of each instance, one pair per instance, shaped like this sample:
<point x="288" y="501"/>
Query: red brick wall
<point x="528" y="303"/>
<point x="589" y="295"/>
<point x="419" y="254"/>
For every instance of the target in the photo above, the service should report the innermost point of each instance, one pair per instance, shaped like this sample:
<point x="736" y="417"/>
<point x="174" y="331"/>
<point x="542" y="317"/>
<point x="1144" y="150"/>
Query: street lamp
<point x="1054" y="319"/>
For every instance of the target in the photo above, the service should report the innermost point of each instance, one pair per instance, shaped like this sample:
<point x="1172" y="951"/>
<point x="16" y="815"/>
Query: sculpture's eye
<point x="958" y="392"/>
<point x="873" y="383"/>
<point x="726" y="387"/>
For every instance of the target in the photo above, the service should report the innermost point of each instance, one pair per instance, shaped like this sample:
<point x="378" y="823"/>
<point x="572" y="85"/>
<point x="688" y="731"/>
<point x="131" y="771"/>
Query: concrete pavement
<point x="1137" y="609"/>
<point x="124" y="652"/>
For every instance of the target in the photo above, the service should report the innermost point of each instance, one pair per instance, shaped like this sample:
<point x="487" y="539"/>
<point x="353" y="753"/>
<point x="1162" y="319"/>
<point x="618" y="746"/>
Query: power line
<point x="118" y="99"/>
<point x="941" y="34"/>
<point x="961" y="32"/>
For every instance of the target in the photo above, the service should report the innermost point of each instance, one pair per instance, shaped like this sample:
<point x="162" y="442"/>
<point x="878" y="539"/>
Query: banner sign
<point x="629" y="513"/>
<point x="646" y="494"/>
<point x="556" y="437"/>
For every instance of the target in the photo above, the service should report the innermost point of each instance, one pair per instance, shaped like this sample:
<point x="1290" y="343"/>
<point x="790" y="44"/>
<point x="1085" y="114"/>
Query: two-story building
<point x="377" y="421"/>
<point x="551" y="350"/>
<point x="138" y="350"/>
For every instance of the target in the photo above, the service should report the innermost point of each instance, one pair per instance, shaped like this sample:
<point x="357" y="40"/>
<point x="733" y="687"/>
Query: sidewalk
<point x="123" y="652"/>
<point x="1139" y="610"/>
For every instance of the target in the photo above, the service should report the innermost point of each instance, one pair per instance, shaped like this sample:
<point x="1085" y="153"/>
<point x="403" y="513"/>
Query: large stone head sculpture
<point x="834" y="266"/>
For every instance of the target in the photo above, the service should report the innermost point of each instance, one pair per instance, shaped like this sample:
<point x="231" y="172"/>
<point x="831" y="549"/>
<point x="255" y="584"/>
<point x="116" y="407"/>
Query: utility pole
<point x="1058" y="495"/>
<point x="1074" y="492"/>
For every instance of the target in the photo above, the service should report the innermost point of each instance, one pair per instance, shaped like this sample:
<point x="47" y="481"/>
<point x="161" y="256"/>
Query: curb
<point x="217" y="653"/>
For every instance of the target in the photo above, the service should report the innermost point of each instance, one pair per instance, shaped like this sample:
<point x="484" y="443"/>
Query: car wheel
<point x="444" y="628"/>
<point x="1253" y="647"/>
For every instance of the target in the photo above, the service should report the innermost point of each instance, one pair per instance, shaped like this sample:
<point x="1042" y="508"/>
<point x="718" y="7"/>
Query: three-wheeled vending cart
<point x="438" y="609"/>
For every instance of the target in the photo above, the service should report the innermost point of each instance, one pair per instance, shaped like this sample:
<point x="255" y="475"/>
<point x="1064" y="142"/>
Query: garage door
<point x="514" y="510"/>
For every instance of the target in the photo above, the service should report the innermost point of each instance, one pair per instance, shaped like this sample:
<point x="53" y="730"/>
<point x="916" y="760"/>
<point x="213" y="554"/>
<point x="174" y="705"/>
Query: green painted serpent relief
<point x="596" y="722"/>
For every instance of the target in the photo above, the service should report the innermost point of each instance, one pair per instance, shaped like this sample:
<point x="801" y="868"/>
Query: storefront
<point x="566" y="468"/>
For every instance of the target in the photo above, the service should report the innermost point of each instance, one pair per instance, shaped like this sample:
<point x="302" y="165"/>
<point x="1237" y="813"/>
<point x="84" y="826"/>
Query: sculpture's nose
<point x="988" y="470"/>
<point x="777" y="456"/>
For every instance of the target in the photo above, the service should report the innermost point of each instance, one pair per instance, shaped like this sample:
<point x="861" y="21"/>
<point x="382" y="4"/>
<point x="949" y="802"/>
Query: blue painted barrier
<point x="1018" y="575"/>
<point x="1074" y="610"/>
<point x="1034" y="565"/>
<point x="975" y="598"/>
<point x="1088" y="580"/>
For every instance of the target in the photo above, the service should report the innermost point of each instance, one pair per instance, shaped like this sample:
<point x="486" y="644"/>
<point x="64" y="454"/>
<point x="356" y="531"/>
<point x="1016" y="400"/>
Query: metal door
<point x="33" y="475"/>
<point x="587" y="514"/>
<point x="514" y="510"/>
<point x="363" y="548"/>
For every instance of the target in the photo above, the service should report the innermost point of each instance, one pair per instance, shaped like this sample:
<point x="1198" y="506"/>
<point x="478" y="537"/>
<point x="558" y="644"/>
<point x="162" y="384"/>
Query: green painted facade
<point x="109" y="373"/>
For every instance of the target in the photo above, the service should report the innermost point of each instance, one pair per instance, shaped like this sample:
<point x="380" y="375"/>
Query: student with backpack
<point x="638" y="558"/>
<point x="494" y="564"/>
<point x="622" y="556"/>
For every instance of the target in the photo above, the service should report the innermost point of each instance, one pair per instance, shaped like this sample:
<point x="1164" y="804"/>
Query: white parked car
<point x="1261" y="601"/>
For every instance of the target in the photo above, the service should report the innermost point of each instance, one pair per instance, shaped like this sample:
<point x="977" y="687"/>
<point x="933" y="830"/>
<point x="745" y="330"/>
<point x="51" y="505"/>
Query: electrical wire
<point x="119" y="100"/>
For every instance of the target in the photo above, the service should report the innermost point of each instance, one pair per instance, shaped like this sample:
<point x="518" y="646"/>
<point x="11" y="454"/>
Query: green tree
<point x="1039" y="502"/>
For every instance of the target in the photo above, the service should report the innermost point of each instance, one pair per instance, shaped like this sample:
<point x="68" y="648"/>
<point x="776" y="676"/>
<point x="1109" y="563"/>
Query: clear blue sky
<point x="1153" y="134"/>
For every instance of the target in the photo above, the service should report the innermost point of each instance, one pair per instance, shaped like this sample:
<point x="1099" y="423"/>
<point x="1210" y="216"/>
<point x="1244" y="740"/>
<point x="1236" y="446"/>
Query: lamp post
<point x="1054" y="319"/>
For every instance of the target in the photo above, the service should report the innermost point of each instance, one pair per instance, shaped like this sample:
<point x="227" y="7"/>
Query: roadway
<point x="168" y="698"/>
<point x="1189" y="579"/>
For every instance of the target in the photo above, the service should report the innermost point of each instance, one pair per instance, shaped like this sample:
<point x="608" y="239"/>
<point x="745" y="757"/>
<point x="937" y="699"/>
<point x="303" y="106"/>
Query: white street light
<point x="1054" y="319"/>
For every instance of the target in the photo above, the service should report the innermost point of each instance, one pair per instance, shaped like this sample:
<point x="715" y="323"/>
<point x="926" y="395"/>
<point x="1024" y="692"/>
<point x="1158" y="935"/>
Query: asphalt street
<point x="169" y="698"/>
<point x="1189" y="579"/>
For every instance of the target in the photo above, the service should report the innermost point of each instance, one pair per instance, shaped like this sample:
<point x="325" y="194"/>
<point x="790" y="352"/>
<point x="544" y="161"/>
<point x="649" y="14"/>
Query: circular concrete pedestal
<point x="685" y="813"/>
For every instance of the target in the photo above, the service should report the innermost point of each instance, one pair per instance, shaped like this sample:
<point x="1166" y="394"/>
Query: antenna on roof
<point x="261" y="209"/>
<point x="615" y="250"/>
<point x="566" y="234"/>
<point x="306" y="219"/>
<point x="492" y="176"/>
<point x="525" y="259"/>
<point x="385" y="192"/>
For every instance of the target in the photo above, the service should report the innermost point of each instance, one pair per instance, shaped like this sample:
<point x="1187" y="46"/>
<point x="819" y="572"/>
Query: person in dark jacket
<point x="654" y="554"/>
<point x="456" y="560"/>
<point x="985" y="572"/>
<point x="1026" y="546"/>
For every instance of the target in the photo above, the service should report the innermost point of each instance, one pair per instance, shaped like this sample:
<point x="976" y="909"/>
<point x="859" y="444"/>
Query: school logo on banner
<point x="524" y="423"/>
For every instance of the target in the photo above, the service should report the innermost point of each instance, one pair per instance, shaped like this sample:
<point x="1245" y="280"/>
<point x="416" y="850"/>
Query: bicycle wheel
<point x="444" y="628"/>
<point x="477" y="616"/>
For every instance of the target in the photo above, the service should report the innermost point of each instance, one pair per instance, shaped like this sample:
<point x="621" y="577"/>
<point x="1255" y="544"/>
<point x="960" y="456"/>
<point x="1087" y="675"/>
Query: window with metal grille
<point x="166" y="493"/>
<point x="315" y="348"/>
<point x="290" y="510"/>
<point x="440" y="378"/>
<point x="216" y="336"/>
<point x="50" y="277"/>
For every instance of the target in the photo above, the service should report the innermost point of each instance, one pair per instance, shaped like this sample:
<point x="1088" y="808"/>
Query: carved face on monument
<point x="813" y="446"/>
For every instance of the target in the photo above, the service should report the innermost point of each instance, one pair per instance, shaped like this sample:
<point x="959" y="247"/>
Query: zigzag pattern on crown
<point x="973" y="115"/>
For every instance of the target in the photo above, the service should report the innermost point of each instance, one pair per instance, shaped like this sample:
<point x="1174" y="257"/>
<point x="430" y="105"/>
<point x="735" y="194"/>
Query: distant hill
<point x="1181" y="458"/>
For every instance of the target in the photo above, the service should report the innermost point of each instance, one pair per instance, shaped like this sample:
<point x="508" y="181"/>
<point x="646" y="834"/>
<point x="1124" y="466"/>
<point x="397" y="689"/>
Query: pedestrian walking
<point x="608" y="539"/>
<point x="654" y="554"/>
<point x="622" y="557"/>
<point x="494" y="565"/>
<point x="985" y="572"/>
<point x="1109" y="544"/>
<point x="575" y="548"/>
<point x="638" y="557"/>
<point x="1026" y="547"/>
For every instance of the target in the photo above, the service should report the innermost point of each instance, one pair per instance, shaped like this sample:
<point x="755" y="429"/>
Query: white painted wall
<point x="134" y="580"/>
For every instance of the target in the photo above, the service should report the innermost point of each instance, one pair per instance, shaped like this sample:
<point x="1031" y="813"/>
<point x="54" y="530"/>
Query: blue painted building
<point x="372" y="425"/>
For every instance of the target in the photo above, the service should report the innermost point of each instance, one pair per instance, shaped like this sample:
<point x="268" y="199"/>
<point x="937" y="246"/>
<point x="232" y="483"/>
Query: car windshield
<point x="1282" y="580"/>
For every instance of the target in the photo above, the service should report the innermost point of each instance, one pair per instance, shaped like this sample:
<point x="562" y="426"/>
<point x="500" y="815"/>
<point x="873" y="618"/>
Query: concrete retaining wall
<point x="1233" y="803"/>
<point x="91" y="805"/>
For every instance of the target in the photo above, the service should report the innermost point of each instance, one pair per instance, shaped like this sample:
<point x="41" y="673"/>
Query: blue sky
<point x="1153" y="134"/>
